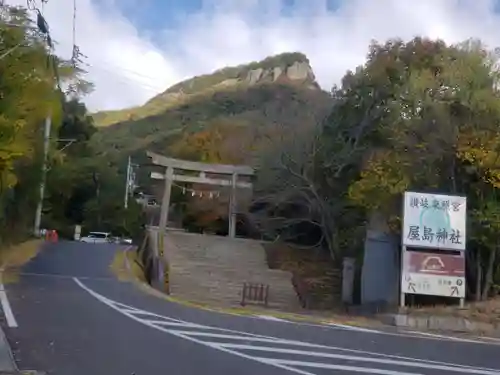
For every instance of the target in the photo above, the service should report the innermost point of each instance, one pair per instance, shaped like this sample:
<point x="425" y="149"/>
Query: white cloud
<point x="128" y="69"/>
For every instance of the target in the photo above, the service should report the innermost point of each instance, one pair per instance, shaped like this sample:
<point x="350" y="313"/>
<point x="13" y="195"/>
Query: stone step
<point x="215" y="268"/>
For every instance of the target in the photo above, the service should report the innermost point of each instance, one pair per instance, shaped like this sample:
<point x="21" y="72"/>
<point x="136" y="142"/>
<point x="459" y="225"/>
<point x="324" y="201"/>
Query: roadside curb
<point x="440" y="323"/>
<point x="7" y="362"/>
<point x="238" y="311"/>
<point x="8" y="365"/>
<point x="399" y="320"/>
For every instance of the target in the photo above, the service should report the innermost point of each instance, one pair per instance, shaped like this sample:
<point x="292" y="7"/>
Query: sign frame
<point x="434" y="221"/>
<point x="431" y="273"/>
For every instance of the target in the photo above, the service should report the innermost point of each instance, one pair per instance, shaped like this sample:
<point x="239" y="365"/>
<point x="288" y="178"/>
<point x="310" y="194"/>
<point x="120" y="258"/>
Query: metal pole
<point x="127" y="184"/>
<point x="461" y="301"/>
<point x="46" y="144"/>
<point x="401" y="276"/>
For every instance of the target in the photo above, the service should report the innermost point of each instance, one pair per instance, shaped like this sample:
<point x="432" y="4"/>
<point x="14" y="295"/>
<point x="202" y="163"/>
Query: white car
<point x="96" y="237"/>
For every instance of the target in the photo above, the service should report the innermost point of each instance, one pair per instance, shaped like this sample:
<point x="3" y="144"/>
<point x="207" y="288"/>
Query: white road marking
<point x="495" y="339"/>
<point x="442" y="336"/>
<point x="272" y="318"/>
<point x="343" y="367"/>
<point x="397" y="334"/>
<point x="7" y="310"/>
<point x="352" y="328"/>
<point x="242" y="344"/>
<point x="353" y="358"/>
<point x="175" y="324"/>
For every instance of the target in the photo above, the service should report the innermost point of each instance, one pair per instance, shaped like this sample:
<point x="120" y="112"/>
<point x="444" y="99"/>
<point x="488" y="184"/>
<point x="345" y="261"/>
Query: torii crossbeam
<point x="173" y="172"/>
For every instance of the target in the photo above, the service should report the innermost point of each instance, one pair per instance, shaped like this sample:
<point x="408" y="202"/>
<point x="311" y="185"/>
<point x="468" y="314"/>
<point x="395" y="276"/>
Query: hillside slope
<point x="246" y="101"/>
<point x="287" y="67"/>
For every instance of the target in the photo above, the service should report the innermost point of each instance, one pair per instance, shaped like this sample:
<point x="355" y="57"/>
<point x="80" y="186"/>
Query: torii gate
<point x="170" y="175"/>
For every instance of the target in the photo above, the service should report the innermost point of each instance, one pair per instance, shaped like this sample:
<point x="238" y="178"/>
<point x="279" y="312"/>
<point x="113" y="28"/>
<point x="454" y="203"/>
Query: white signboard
<point x="433" y="285"/>
<point x="434" y="221"/>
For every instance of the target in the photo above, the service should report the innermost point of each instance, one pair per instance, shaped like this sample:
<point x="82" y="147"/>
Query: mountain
<point x="288" y="67"/>
<point x="231" y="105"/>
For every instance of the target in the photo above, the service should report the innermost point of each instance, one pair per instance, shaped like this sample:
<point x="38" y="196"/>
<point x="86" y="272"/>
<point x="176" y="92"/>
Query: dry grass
<point x="20" y="254"/>
<point x="125" y="266"/>
<point x="314" y="268"/>
<point x="485" y="311"/>
<point x="12" y="258"/>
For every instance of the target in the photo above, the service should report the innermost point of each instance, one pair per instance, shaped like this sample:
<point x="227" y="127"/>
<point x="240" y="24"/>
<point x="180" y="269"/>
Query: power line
<point x="76" y="58"/>
<point x="127" y="80"/>
<point x="114" y="66"/>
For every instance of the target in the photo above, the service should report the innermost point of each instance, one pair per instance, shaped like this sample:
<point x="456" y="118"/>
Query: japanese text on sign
<point x="435" y="274"/>
<point x="433" y="285"/>
<point x="434" y="221"/>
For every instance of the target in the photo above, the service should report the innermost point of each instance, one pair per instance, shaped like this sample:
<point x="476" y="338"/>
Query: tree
<point x="295" y="201"/>
<point x="77" y="126"/>
<point x="431" y="113"/>
<point x="31" y="78"/>
<point x="27" y="89"/>
<point x="82" y="188"/>
<point x="221" y="142"/>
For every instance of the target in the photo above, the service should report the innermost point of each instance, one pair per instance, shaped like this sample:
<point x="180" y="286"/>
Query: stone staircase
<point x="212" y="269"/>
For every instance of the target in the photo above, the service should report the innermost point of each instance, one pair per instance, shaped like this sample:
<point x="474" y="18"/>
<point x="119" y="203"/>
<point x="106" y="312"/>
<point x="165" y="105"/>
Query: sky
<point x="136" y="49"/>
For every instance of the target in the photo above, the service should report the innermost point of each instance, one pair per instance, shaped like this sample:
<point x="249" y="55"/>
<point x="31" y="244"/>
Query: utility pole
<point x="46" y="144"/>
<point x="127" y="183"/>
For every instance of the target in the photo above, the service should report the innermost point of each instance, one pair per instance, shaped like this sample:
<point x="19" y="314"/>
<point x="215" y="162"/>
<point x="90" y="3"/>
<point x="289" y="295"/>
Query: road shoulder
<point x="7" y="363"/>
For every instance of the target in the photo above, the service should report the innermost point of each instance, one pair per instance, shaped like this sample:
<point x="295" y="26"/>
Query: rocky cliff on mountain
<point x="287" y="68"/>
<point x="222" y="117"/>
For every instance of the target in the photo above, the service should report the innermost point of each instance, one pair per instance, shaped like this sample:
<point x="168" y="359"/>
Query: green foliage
<point x="257" y="108"/>
<point x="84" y="190"/>
<point x="404" y="93"/>
<point x="27" y="84"/>
<point x="424" y="116"/>
<point x="27" y="87"/>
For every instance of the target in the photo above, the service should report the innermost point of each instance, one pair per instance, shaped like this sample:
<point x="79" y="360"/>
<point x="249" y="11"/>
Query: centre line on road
<point x="7" y="310"/>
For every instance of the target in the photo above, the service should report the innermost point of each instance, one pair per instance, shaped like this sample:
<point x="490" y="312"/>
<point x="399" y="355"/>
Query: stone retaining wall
<point x="212" y="269"/>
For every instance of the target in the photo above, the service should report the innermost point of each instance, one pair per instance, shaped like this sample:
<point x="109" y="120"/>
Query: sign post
<point x="402" y="293"/>
<point x="434" y="229"/>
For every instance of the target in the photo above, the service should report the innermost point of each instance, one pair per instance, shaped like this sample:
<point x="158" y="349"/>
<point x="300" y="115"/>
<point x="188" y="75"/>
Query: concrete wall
<point x="381" y="264"/>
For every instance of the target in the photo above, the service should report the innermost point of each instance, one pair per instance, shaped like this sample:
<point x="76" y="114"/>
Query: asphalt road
<point x="75" y="318"/>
